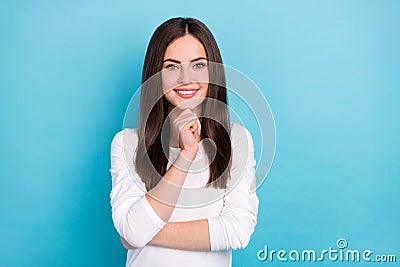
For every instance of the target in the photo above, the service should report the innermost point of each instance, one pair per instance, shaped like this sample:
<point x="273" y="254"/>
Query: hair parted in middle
<point x="151" y="160"/>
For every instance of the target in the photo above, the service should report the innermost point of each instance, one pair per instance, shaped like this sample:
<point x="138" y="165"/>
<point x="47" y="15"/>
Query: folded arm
<point x="139" y="215"/>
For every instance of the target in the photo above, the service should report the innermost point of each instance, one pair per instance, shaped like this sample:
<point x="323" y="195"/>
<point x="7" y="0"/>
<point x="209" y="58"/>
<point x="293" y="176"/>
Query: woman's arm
<point x="139" y="215"/>
<point x="165" y="194"/>
<point x="188" y="235"/>
<point x="133" y="217"/>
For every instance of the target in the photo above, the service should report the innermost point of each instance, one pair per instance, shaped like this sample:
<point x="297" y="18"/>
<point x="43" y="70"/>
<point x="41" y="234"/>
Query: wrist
<point x="189" y="154"/>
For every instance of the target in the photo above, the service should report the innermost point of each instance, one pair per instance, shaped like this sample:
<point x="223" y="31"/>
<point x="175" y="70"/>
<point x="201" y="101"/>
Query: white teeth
<point x="185" y="92"/>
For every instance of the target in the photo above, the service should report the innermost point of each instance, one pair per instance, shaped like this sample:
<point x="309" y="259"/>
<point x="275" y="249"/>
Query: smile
<point x="186" y="93"/>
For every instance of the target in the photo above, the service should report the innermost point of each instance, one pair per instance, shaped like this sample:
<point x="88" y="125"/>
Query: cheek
<point x="169" y="80"/>
<point x="170" y="97"/>
<point x="200" y="76"/>
<point x="204" y="89"/>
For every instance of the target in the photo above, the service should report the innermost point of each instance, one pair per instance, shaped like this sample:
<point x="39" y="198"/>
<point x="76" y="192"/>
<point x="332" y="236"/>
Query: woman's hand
<point x="189" y="128"/>
<point x="125" y="244"/>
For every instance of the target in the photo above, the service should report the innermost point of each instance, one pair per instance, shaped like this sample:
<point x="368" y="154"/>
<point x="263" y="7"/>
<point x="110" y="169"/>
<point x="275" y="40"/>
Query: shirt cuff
<point x="217" y="237"/>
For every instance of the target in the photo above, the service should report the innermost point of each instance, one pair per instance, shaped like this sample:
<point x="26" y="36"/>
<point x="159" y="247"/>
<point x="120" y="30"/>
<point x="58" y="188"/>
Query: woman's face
<point x="185" y="72"/>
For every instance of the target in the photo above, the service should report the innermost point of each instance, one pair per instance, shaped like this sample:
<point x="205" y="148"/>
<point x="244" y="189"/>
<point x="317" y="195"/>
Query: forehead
<point x="185" y="49"/>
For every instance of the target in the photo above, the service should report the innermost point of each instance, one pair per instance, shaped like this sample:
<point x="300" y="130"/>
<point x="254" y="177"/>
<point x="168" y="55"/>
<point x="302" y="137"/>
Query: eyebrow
<point x="177" y="61"/>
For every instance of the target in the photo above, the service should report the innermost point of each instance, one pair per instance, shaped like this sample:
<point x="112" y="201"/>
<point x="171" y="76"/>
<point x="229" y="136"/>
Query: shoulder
<point x="237" y="128"/>
<point x="240" y="135"/>
<point x="127" y="137"/>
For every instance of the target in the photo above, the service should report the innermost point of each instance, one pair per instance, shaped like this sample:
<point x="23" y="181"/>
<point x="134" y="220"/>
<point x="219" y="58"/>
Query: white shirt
<point x="231" y="212"/>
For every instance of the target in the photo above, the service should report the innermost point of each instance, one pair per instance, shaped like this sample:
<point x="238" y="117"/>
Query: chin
<point x="190" y="103"/>
<point x="185" y="105"/>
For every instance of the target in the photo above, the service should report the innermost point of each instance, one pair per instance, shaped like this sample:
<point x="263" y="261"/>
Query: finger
<point x="186" y="120"/>
<point x="125" y="243"/>
<point x="185" y="117"/>
<point x="186" y="125"/>
<point x="184" y="112"/>
<point x="198" y="127"/>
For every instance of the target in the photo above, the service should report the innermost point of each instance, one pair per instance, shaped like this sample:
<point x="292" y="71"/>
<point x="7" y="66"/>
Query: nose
<point x="184" y="75"/>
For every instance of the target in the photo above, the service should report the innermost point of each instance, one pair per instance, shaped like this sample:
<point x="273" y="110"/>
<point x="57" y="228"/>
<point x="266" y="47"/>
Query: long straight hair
<point x="151" y="160"/>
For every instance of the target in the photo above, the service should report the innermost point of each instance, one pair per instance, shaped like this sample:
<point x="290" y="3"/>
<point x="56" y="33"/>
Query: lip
<point x="186" y="92"/>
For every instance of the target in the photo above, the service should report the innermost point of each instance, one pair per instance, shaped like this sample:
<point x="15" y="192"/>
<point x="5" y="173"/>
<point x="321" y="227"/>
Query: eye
<point x="172" y="67"/>
<point x="199" y="65"/>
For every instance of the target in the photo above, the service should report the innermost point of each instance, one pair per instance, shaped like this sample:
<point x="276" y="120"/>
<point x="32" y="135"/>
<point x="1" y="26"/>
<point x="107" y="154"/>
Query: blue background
<point x="329" y="69"/>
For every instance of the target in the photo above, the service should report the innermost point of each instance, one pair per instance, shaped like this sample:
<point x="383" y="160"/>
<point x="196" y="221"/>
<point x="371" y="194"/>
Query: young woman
<point x="181" y="182"/>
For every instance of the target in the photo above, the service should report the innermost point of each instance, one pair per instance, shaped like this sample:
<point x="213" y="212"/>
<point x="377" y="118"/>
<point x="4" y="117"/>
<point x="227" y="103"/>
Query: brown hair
<point x="151" y="160"/>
